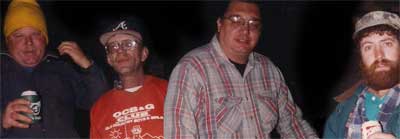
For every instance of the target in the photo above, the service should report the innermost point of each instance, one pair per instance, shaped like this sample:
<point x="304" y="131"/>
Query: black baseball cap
<point x="124" y="25"/>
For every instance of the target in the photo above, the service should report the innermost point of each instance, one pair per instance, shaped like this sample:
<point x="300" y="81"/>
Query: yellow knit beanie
<point x="24" y="13"/>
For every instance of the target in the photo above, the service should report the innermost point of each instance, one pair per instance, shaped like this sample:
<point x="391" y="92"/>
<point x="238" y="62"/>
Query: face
<point x="380" y="60"/>
<point x="128" y="60"/>
<point x="27" y="46"/>
<point x="238" y="39"/>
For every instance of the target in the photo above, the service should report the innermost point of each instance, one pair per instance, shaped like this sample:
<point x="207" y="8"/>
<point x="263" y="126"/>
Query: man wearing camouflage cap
<point x="371" y="109"/>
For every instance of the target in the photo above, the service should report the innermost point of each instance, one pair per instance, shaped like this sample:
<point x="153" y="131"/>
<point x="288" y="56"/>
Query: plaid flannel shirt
<point x="358" y="117"/>
<point x="208" y="98"/>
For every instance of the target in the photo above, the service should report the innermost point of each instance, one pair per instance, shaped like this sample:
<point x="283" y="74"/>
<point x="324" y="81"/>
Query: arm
<point x="90" y="83"/>
<point x="291" y="124"/>
<point x="394" y="123"/>
<point x="180" y="104"/>
<point x="329" y="129"/>
<point x="91" y="86"/>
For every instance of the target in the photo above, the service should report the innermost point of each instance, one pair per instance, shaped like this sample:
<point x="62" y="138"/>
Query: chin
<point x="243" y="50"/>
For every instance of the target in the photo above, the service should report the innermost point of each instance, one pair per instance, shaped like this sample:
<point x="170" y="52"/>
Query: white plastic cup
<point x="370" y="127"/>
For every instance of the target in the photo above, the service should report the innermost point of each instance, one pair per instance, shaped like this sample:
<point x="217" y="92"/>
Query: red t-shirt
<point x="137" y="115"/>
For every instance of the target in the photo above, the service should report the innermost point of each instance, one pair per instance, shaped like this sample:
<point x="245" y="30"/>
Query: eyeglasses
<point x="238" y="21"/>
<point x="113" y="47"/>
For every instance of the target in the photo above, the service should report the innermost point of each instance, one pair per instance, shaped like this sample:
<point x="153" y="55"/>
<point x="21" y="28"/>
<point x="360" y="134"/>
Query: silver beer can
<point x="34" y="98"/>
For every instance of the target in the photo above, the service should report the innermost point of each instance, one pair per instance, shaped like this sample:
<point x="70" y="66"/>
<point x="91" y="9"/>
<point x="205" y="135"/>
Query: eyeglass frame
<point x="119" y="44"/>
<point x="243" y="22"/>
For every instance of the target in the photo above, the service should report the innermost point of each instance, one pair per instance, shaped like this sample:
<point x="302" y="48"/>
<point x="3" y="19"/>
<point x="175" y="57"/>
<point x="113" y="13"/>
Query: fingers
<point x="20" y="120"/>
<point x="12" y="115"/>
<point x="21" y="108"/>
<point x="68" y="47"/>
<point x="72" y="49"/>
<point x="381" y="135"/>
<point x="19" y="105"/>
<point x="19" y="101"/>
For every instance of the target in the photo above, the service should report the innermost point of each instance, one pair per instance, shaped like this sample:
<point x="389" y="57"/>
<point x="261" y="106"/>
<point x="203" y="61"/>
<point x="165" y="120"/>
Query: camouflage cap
<point x="377" y="18"/>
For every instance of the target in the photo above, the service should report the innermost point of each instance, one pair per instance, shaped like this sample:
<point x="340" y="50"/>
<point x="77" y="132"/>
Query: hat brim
<point x="106" y="36"/>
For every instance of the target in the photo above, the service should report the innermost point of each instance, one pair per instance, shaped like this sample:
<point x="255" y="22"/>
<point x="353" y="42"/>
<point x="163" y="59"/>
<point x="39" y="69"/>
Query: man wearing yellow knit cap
<point x="27" y="68"/>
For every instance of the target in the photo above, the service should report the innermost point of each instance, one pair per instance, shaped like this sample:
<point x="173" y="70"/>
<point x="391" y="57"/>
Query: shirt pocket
<point x="268" y="109"/>
<point x="227" y="114"/>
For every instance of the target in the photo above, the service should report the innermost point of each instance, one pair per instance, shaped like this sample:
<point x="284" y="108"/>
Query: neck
<point x="380" y="93"/>
<point x="132" y="80"/>
<point x="238" y="59"/>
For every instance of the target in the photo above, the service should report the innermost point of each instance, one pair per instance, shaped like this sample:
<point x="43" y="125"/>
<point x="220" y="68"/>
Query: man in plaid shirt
<point x="225" y="90"/>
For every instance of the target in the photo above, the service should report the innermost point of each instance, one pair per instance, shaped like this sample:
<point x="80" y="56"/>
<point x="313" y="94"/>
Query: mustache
<point x="385" y="62"/>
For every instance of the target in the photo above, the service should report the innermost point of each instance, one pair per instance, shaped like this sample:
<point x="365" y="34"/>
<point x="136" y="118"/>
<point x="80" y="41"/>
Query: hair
<point x="226" y="5"/>
<point x="378" y="29"/>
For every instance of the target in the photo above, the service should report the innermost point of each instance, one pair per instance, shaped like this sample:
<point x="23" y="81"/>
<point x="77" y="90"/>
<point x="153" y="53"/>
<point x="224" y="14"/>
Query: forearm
<point x="94" y="84"/>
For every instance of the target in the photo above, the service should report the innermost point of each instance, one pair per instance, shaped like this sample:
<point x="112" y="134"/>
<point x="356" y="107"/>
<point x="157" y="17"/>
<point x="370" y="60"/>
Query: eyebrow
<point x="387" y="39"/>
<point x="251" y="17"/>
<point x="362" y="44"/>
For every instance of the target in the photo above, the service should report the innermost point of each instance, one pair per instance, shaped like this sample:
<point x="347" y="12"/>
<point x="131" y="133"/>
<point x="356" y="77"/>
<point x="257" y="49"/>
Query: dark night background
<point x="310" y="41"/>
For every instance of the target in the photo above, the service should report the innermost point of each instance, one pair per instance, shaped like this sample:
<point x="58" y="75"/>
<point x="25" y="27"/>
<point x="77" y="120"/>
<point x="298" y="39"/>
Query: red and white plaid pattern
<point x="208" y="98"/>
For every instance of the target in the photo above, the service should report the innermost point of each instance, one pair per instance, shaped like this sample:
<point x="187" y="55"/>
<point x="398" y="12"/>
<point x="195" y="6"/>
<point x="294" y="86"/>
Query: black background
<point x="310" y="41"/>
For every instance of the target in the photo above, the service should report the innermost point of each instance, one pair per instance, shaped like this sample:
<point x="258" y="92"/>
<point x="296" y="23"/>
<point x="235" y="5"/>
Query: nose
<point x="378" y="52"/>
<point x="121" y="50"/>
<point x="245" y="28"/>
<point x="28" y="40"/>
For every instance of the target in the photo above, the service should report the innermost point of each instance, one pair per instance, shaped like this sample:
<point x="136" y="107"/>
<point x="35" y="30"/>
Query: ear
<point x="219" y="24"/>
<point x="109" y="60"/>
<point x="145" y="54"/>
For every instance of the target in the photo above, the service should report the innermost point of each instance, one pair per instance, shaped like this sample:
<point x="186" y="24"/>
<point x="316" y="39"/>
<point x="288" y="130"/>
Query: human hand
<point x="12" y="116"/>
<point x="381" y="135"/>
<point x="72" y="49"/>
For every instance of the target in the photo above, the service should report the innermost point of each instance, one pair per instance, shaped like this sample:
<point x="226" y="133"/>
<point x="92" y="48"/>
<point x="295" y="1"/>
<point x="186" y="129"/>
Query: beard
<point x="380" y="80"/>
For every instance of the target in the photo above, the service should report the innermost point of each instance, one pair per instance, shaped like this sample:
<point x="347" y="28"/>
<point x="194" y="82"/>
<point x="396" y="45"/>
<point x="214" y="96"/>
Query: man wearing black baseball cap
<point x="134" y="108"/>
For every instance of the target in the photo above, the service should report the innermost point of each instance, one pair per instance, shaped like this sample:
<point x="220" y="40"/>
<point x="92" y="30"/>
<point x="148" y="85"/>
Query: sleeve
<point x="181" y="103"/>
<point x="1" y="117"/>
<point x="291" y="124"/>
<point x="394" y="123"/>
<point x="91" y="84"/>
<point x="329" y="129"/>
<point x="2" y="130"/>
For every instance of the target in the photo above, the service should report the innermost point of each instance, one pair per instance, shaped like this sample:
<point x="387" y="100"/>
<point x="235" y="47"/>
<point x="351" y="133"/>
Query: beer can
<point x="34" y="98"/>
